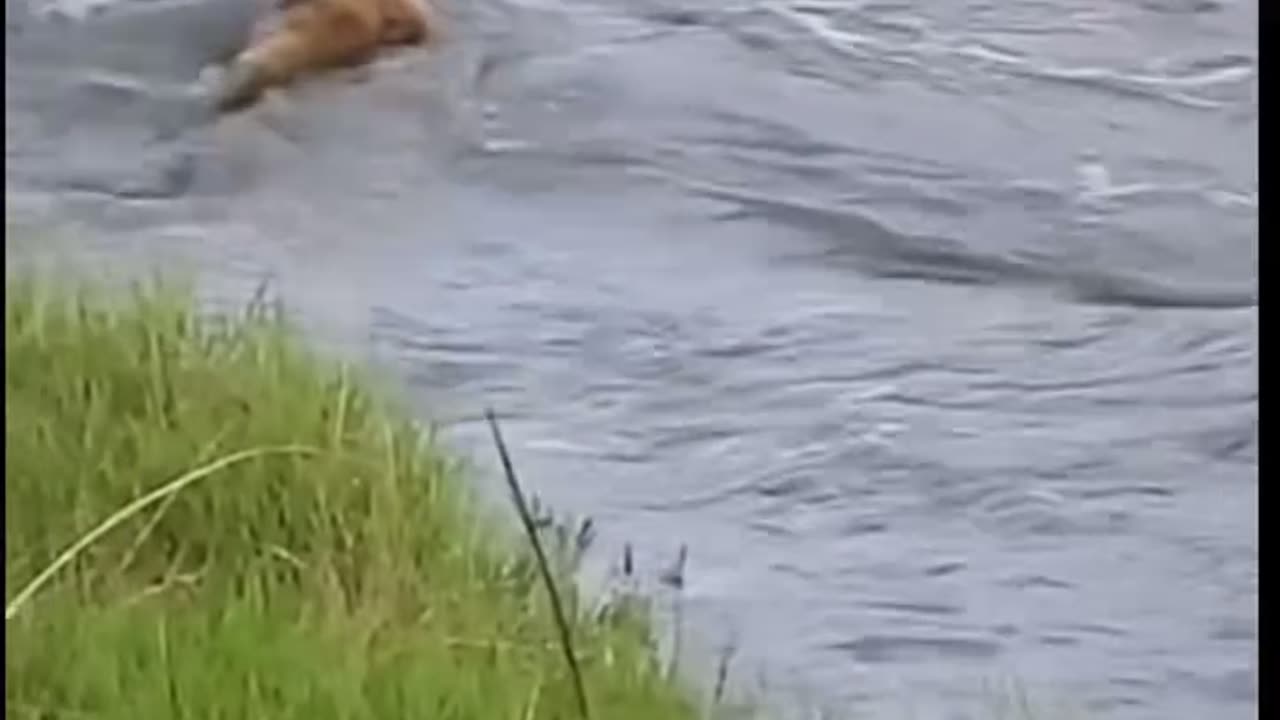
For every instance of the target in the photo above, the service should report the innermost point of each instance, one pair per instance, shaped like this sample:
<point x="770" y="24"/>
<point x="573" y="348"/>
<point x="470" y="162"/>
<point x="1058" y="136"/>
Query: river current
<point x="929" y="328"/>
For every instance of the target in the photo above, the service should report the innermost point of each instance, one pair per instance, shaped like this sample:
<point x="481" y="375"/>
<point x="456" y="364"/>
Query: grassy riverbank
<point x="319" y="558"/>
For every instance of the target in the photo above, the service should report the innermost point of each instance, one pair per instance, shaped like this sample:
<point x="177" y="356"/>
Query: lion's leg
<point x="312" y="36"/>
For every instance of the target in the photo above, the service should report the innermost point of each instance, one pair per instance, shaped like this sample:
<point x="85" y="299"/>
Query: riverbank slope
<point x="309" y="552"/>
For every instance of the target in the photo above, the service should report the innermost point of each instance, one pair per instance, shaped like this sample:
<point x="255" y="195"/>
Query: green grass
<point x="308" y="552"/>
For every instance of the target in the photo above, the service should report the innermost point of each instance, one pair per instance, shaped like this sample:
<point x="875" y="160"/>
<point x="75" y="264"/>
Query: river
<point x="929" y="328"/>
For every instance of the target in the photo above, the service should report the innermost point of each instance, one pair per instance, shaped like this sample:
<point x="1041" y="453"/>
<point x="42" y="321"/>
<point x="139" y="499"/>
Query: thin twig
<point x="258" y="300"/>
<point x="557" y="608"/>
<point x="674" y="579"/>
<point x="722" y="673"/>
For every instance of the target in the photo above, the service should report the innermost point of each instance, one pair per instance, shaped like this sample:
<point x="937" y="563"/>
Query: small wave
<point x="903" y="648"/>
<point x="1133" y="291"/>
<point x="878" y="250"/>
<point x="912" y="45"/>
<point x="155" y="39"/>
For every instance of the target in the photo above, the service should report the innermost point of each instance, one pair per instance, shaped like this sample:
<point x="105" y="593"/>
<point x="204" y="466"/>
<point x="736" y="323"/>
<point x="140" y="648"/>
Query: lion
<point x="308" y="36"/>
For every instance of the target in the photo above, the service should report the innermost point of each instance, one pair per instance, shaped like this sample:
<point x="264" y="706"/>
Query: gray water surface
<point x="930" y="328"/>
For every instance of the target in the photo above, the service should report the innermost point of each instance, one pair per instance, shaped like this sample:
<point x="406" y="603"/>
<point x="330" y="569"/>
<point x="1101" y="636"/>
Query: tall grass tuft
<point x="204" y="520"/>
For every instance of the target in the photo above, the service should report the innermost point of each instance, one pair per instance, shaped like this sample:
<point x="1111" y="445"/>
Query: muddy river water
<point x="929" y="327"/>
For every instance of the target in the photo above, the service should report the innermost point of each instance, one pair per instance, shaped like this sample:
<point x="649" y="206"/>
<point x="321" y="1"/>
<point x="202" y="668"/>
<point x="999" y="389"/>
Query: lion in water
<point x="307" y="36"/>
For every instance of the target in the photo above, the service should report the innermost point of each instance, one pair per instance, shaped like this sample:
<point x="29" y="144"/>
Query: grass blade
<point x="168" y="489"/>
